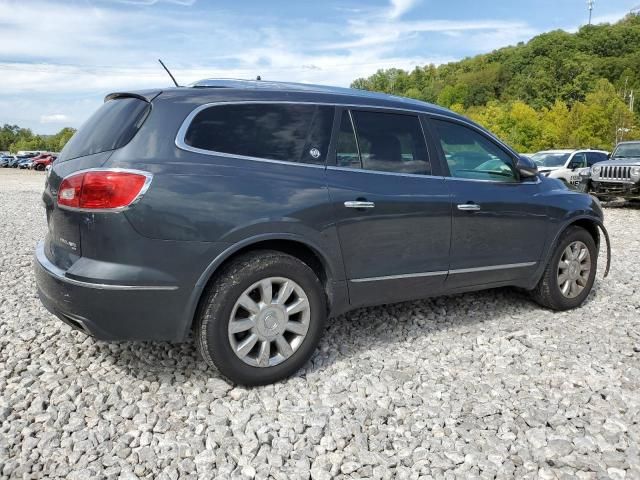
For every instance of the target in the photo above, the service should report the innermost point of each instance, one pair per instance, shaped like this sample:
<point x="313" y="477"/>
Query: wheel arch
<point x="291" y="244"/>
<point x="592" y="225"/>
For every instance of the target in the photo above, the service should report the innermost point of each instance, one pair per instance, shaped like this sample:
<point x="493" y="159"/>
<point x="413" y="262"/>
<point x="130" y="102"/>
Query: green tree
<point x="559" y="89"/>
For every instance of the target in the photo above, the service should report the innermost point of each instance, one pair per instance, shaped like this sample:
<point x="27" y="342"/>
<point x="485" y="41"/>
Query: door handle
<point x="469" y="207"/>
<point x="359" y="204"/>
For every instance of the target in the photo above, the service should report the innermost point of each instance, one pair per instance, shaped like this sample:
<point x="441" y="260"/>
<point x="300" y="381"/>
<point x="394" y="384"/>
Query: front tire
<point x="262" y="318"/>
<point x="570" y="273"/>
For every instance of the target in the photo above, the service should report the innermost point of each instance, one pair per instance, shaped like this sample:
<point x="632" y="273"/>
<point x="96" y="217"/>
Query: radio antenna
<point x="167" y="70"/>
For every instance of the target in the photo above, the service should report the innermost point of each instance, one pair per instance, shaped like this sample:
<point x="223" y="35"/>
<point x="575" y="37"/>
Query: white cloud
<point x="367" y="33"/>
<point x="84" y="51"/>
<point x="54" y="118"/>
<point x="400" y="7"/>
<point x="184" y="3"/>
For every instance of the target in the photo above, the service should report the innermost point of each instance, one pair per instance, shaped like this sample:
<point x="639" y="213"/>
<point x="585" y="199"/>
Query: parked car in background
<point x="17" y="159"/>
<point x="566" y="165"/>
<point x="619" y="176"/>
<point x="41" y="161"/>
<point x="5" y="160"/>
<point x="25" y="164"/>
<point x="292" y="203"/>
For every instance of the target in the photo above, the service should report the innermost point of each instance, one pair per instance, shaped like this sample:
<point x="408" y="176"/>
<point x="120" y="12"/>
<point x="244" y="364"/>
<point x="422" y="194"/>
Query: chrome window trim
<point x="379" y="172"/>
<point x="60" y="274"/>
<point x="147" y="183"/>
<point x="245" y="157"/>
<point x="460" y="179"/>
<point x="182" y="131"/>
<point x="487" y="268"/>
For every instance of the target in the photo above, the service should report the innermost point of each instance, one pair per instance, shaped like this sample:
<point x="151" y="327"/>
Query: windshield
<point x="550" y="159"/>
<point x="627" y="150"/>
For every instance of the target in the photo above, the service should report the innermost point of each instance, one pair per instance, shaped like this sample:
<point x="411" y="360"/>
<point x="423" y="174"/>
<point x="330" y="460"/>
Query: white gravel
<point x="481" y="385"/>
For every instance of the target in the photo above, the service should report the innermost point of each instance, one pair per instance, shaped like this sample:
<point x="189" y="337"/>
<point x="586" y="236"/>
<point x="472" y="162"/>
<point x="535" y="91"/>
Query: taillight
<point x="102" y="189"/>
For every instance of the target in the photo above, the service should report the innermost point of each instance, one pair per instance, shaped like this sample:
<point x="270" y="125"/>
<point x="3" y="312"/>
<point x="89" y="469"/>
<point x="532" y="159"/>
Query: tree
<point x="557" y="90"/>
<point x="14" y="139"/>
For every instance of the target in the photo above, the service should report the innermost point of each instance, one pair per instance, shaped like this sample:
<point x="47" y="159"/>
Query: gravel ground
<point x="479" y="385"/>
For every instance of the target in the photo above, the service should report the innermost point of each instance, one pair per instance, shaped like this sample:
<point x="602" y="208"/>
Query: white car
<point x="566" y="165"/>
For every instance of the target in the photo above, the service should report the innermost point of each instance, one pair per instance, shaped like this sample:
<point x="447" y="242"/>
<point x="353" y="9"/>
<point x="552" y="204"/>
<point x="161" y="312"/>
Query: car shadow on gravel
<point x="345" y="335"/>
<point x="631" y="205"/>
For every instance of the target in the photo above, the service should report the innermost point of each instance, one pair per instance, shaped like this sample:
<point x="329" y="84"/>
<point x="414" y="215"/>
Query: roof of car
<point x="555" y="151"/>
<point x="628" y="141"/>
<point x="298" y="87"/>
<point x="571" y="150"/>
<point x="326" y="93"/>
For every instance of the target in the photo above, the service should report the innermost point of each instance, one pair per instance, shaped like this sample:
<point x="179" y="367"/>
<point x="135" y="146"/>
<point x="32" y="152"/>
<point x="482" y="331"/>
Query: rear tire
<point x="244" y="327"/>
<point x="567" y="281"/>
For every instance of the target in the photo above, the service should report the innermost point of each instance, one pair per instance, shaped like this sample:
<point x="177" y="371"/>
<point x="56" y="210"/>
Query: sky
<point x="58" y="59"/>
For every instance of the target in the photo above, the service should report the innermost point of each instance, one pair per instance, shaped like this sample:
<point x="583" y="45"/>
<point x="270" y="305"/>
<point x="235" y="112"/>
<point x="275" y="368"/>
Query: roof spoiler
<point x="145" y="96"/>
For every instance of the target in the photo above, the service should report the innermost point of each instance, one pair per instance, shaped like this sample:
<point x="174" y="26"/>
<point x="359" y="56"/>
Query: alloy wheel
<point x="269" y="322"/>
<point x="574" y="269"/>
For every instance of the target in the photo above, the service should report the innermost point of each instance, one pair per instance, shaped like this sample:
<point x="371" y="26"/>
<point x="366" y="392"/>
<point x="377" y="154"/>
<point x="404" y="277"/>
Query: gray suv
<point x="619" y="176"/>
<point x="249" y="212"/>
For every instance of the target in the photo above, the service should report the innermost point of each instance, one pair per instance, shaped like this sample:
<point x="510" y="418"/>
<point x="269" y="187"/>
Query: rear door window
<point x="579" y="160"/>
<point x="112" y="126"/>
<point x="391" y="142"/>
<point x="286" y="132"/>
<point x="384" y="142"/>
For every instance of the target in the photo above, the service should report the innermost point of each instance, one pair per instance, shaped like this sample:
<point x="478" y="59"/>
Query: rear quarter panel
<point x="197" y="197"/>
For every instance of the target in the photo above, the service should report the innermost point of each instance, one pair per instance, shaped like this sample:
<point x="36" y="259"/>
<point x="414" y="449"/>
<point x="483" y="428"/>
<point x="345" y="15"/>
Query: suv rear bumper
<point x="110" y="311"/>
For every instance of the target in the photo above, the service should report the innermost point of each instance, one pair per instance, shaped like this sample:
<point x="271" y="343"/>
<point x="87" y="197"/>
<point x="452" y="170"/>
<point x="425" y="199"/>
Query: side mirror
<point x="609" y="156"/>
<point x="526" y="167"/>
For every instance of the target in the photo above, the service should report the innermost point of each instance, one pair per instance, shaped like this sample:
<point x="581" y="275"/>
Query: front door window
<point x="472" y="156"/>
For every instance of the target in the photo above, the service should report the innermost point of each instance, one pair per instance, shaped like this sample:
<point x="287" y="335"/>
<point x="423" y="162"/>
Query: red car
<point x="41" y="161"/>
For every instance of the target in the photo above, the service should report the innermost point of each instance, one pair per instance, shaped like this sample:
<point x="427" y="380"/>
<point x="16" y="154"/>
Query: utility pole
<point x="590" y="7"/>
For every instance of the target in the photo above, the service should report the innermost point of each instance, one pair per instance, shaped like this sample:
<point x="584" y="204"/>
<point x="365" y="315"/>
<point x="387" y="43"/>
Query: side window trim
<point x="443" y="160"/>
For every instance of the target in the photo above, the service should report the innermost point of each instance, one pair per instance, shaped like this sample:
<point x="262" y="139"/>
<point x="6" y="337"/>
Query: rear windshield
<point x="550" y="159"/>
<point x="112" y="126"/>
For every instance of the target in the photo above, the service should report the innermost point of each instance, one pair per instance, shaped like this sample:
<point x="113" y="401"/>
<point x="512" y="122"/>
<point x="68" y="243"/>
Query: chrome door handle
<point x="469" y="207"/>
<point x="359" y="204"/>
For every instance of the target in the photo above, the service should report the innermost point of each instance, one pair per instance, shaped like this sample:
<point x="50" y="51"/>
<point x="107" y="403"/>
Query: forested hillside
<point x="13" y="138"/>
<point x="557" y="90"/>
